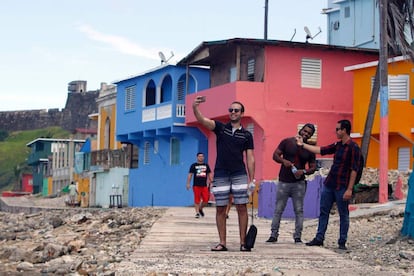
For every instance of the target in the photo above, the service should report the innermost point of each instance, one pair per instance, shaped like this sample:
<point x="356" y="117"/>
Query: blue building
<point x="353" y="23"/>
<point x="151" y="116"/>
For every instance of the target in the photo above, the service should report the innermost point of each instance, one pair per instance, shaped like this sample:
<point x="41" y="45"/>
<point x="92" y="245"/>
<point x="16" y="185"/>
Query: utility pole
<point x="383" y="66"/>
<point x="265" y="18"/>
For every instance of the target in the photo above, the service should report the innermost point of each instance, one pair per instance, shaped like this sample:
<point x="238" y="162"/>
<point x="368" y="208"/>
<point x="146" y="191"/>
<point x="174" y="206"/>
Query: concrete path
<point x="179" y="244"/>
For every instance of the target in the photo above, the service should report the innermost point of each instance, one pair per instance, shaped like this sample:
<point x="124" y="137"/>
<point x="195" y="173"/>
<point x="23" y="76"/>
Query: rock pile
<point x="369" y="183"/>
<point x="70" y="241"/>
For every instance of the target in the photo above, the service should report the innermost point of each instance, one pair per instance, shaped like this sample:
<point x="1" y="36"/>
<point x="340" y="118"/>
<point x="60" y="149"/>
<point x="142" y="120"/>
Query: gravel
<point x="374" y="240"/>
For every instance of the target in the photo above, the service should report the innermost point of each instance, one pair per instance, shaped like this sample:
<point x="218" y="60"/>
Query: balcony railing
<point x="107" y="159"/>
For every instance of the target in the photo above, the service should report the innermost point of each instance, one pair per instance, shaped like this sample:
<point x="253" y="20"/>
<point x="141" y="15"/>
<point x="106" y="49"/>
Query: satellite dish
<point x="162" y="57"/>
<point x="308" y="33"/>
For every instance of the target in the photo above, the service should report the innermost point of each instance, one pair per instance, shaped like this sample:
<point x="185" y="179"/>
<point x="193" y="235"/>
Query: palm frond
<point x="400" y="27"/>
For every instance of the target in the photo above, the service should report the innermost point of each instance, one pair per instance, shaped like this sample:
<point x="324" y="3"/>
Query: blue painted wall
<point x="158" y="182"/>
<point x="353" y="24"/>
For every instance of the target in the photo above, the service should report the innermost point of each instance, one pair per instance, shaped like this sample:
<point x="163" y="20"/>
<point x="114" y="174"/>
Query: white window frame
<point x="311" y="73"/>
<point x="130" y="97"/>
<point x="404" y="159"/>
<point x="398" y="87"/>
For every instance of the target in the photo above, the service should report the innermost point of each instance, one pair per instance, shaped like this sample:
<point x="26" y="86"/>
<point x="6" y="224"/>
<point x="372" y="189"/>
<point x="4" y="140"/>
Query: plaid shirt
<point x="346" y="159"/>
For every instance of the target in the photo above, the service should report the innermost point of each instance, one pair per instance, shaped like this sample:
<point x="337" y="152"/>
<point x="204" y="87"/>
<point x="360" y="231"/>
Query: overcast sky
<point x="46" y="44"/>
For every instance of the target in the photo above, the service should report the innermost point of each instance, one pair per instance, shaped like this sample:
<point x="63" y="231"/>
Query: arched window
<point x="166" y="89"/>
<point x="107" y="134"/>
<point x="150" y="93"/>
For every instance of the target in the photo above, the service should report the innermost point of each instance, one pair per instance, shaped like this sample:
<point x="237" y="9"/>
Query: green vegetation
<point x="14" y="152"/>
<point x="3" y="134"/>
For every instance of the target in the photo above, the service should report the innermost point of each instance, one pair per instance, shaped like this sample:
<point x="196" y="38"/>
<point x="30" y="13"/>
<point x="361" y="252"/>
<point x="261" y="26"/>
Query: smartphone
<point x="202" y="99"/>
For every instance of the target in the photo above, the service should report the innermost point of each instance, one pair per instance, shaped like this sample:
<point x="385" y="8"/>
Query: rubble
<point x="71" y="240"/>
<point x="374" y="240"/>
<point x="370" y="179"/>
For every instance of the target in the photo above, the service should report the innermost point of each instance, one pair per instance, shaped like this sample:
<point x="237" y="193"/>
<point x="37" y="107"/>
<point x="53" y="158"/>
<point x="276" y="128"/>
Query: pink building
<point x="282" y="84"/>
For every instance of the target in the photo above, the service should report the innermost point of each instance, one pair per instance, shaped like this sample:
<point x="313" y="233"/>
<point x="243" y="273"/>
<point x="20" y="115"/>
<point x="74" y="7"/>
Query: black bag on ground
<point x="251" y="234"/>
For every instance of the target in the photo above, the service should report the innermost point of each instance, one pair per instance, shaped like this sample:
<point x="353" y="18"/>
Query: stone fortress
<point x="79" y="104"/>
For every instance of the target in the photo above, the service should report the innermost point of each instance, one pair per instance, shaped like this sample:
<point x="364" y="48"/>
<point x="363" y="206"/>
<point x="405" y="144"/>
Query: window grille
<point x="130" y="98"/>
<point x="251" y="63"/>
<point x="398" y="87"/>
<point x="311" y="72"/>
<point x="147" y="147"/>
<point x="180" y="90"/>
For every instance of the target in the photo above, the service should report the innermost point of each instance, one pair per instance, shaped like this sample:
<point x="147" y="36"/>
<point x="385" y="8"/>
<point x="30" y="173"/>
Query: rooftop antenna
<point x="309" y="34"/>
<point x="294" y="33"/>
<point x="162" y="57"/>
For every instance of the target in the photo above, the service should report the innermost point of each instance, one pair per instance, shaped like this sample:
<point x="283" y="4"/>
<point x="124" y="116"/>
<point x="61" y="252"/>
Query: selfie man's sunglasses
<point x="236" y="110"/>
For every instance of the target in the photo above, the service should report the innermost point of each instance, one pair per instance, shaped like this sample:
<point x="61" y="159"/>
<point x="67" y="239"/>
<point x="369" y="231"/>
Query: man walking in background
<point x="201" y="183"/>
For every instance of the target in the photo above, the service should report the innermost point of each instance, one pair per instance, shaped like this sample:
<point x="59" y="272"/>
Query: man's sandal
<point x="219" y="247"/>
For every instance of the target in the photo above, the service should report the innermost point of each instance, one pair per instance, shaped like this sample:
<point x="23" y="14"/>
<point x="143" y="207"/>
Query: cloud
<point x="118" y="43"/>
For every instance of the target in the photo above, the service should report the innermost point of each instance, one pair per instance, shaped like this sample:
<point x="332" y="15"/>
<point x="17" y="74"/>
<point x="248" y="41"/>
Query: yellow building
<point x="105" y="140"/>
<point x="400" y="111"/>
<point x="106" y="118"/>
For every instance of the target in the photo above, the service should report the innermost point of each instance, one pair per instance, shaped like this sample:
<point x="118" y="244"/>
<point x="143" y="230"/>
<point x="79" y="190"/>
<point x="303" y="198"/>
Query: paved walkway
<point x="180" y="244"/>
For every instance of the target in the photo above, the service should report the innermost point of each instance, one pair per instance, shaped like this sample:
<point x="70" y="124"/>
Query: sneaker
<point x="315" y="242"/>
<point x="342" y="247"/>
<point x="298" y="240"/>
<point x="272" y="239"/>
<point x="197" y="215"/>
<point x="243" y="248"/>
<point x="201" y="212"/>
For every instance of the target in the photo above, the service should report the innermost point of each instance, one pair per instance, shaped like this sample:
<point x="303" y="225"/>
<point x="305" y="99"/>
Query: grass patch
<point x="14" y="153"/>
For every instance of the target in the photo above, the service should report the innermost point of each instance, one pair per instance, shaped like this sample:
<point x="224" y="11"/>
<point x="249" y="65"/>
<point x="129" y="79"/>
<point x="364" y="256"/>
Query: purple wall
<point x="267" y="199"/>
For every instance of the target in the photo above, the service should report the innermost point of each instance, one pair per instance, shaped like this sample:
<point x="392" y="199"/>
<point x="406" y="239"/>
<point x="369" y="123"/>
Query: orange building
<point x="400" y="111"/>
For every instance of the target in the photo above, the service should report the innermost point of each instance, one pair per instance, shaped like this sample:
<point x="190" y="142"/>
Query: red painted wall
<point x="279" y="104"/>
<point x="27" y="183"/>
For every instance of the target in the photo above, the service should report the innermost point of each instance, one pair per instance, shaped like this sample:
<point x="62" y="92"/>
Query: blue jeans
<point x="328" y="197"/>
<point x="296" y="191"/>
